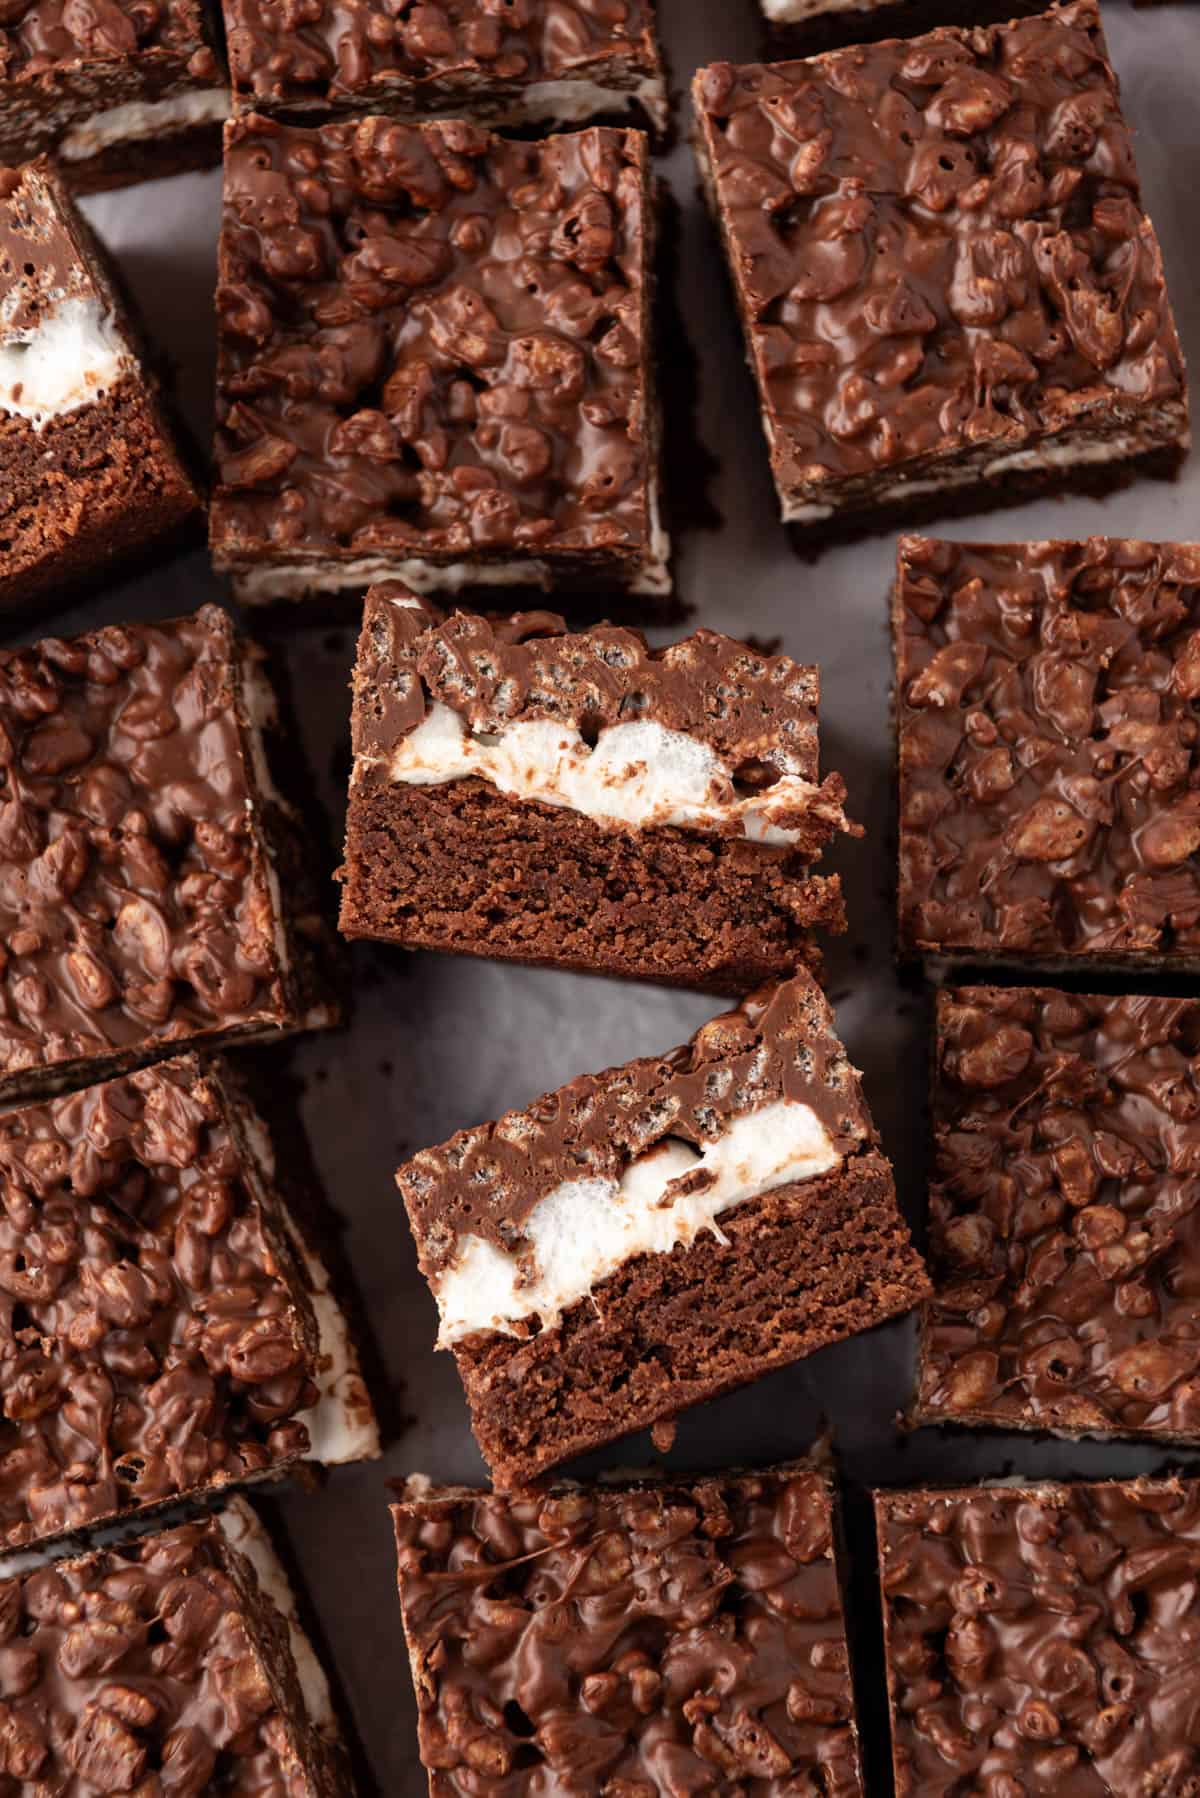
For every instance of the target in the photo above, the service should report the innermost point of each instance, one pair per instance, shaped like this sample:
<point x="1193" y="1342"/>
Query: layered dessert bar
<point x="1041" y="1638"/>
<point x="435" y="360"/>
<point x="630" y="1638"/>
<point x="1047" y="728"/>
<point x="170" y="1663"/>
<point x="652" y="1236"/>
<point x="155" y="889"/>
<point x="117" y="91"/>
<point x="90" y="474"/>
<point x="579" y="800"/>
<point x="1064" y="1233"/>
<point x="166" y="1327"/>
<point x="948" y="285"/>
<point x="803" y="27"/>
<point x="565" y="61"/>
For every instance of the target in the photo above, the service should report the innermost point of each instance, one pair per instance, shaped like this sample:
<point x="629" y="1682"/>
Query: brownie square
<point x="1041" y="1638"/>
<point x="90" y="475"/>
<point x="556" y="60"/>
<point x="630" y="1638"/>
<point x="578" y="800"/>
<point x="170" y="1663"/>
<point x="948" y="284"/>
<point x="1064" y="1226"/>
<point x="652" y="1236"/>
<point x="166" y="1329"/>
<point x="115" y="92"/>
<point x="434" y="360"/>
<point x="155" y="892"/>
<point x="1047" y="724"/>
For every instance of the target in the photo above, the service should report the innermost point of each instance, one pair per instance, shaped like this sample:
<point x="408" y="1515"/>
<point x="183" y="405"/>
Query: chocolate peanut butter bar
<point x="166" y="1329"/>
<point x="434" y="360"/>
<point x="1064" y="1214"/>
<point x="170" y="1663"/>
<point x="115" y="90"/>
<point x="540" y="60"/>
<point x="652" y="1236"/>
<point x="1048" y="729"/>
<point x="948" y="284"/>
<point x="579" y="800"/>
<point x="630" y="1638"/>
<point x="90" y="475"/>
<point x="1041" y="1638"/>
<point x="154" y="889"/>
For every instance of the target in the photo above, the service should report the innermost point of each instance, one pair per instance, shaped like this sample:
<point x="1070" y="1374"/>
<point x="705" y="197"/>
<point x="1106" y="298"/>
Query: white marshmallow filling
<point x="137" y="120"/>
<point x="70" y="358"/>
<point x="584" y="1230"/>
<point x="637" y="773"/>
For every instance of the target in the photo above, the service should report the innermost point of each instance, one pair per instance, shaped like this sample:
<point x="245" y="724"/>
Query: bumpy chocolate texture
<point x="1064" y="1214"/>
<point x="159" y="1666"/>
<point x="1043" y="1639"/>
<point x="156" y="1334"/>
<point x="511" y="63"/>
<point x="152" y="892"/>
<point x="942" y="262"/>
<point x="433" y="352"/>
<point x="62" y="64"/>
<point x="1048" y="727"/>
<point x="631" y="1640"/>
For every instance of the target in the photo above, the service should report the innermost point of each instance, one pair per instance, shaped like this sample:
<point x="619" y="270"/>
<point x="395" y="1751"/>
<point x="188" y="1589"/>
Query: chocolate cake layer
<point x="90" y="475"/>
<point x="651" y="1236"/>
<point x="947" y="281"/>
<point x="578" y="800"/>
<point x="435" y="360"/>
<point x="142" y="849"/>
<point x="1064" y="1214"/>
<point x="1047" y="724"/>
<point x="564" y="60"/>
<point x="630" y="1638"/>
<point x="1041" y="1638"/>
<point x="165" y="1329"/>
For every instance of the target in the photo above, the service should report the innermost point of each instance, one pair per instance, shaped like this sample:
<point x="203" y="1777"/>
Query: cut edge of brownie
<point x="836" y="24"/>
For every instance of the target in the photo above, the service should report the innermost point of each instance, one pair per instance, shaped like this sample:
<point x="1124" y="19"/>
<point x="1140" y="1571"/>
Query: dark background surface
<point x="438" y="1044"/>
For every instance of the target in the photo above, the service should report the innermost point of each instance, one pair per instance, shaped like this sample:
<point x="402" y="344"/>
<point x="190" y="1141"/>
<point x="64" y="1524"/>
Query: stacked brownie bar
<point x="579" y="800"/>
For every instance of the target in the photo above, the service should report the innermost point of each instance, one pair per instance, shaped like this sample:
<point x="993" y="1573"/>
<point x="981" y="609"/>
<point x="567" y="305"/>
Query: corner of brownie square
<point x="642" y="1589"/>
<point x="652" y="1236"/>
<point x="1062" y="1230"/>
<point x="115" y="93"/>
<point x="949" y="286"/>
<point x="547" y="60"/>
<point x="178" y="1651"/>
<point x="167" y="1329"/>
<point x="1061" y="1621"/>
<point x="434" y="360"/>
<point x="154" y="893"/>
<point x="579" y="800"/>
<point x="1048" y="727"/>
<point x="90" y="474"/>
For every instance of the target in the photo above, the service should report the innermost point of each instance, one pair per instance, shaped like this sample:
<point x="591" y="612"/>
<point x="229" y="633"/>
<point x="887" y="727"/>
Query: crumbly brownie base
<point x="465" y="869"/>
<point x="802" y="1267"/>
<point x="90" y="491"/>
<point x="903" y="18"/>
<point x="145" y="159"/>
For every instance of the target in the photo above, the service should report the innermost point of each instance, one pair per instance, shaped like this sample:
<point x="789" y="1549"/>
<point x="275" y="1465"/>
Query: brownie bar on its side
<point x="630" y="1629"/>
<point x="1041" y="1638"/>
<point x="165" y="1331"/>
<point x="90" y="475"/>
<point x="579" y="800"/>
<point x="148" y="891"/>
<point x="652" y="1236"/>
<point x="1064" y="1215"/>
<point x="435" y="360"/>
<point x="1049" y="746"/>
<point x="116" y="93"/>
<point x="171" y="1662"/>
<point x="546" y="60"/>
<point x="947" y="282"/>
